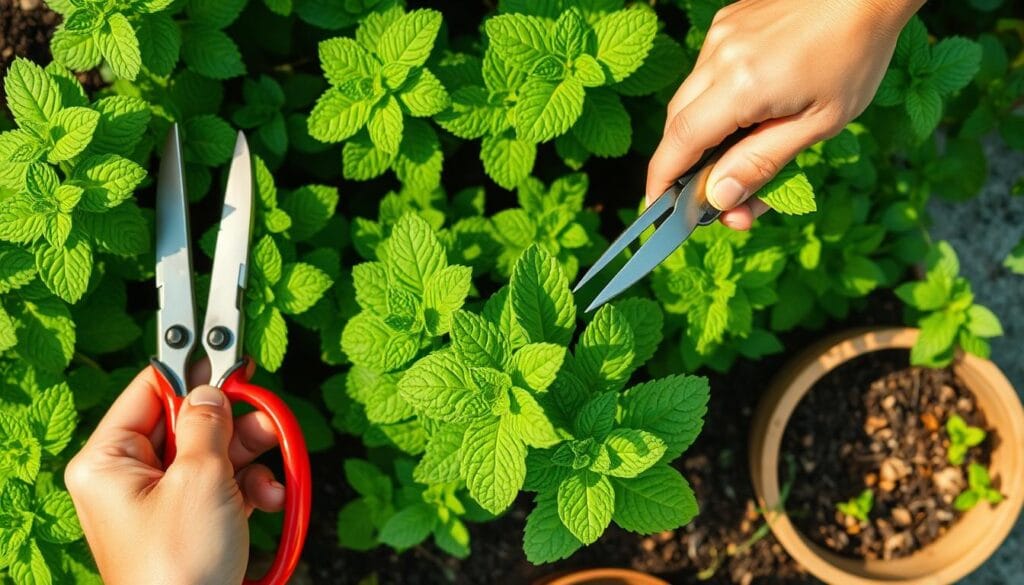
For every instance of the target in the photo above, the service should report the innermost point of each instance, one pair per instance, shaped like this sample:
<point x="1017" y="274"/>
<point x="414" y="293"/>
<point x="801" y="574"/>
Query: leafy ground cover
<point x="429" y="183"/>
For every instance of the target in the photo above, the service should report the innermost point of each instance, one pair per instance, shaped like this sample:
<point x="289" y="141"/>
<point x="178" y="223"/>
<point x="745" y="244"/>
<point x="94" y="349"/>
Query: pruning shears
<point x="222" y="330"/>
<point x="678" y="212"/>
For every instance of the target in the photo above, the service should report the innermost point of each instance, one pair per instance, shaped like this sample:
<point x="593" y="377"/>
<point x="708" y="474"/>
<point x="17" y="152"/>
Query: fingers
<point x="702" y="124"/>
<point x="137" y="410"/>
<point x="204" y="426"/>
<point x="759" y="156"/>
<point x="260" y="490"/>
<point x="254" y="435"/>
<point x="743" y="215"/>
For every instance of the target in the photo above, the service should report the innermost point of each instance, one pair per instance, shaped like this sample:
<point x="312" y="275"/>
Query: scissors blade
<point x="686" y="215"/>
<point x="176" y="319"/>
<point x="650" y="215"/>
<point x="222" y="329"/>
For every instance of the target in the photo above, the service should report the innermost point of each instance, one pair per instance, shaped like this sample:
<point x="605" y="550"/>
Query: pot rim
<point x="602" y="576"/>
<point x="969" y="542"/>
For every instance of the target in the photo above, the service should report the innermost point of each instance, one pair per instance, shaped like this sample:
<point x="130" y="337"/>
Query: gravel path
<point x="983" y="231"/>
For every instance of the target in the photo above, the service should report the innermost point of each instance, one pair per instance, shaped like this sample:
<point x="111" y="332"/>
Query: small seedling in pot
<point x="858" y="507"/>
<point x="979" y="488"/>
<point x="962" y="437"/>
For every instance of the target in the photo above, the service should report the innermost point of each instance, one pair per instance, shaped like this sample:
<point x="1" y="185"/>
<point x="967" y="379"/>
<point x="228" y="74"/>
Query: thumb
<point x="204" y="424"/>
<point x="759" y="156"/>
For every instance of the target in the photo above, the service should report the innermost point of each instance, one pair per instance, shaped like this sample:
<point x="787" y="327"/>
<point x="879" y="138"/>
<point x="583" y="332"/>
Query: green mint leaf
<point x="535" y="365"/>
<point x="217" y="14"/>
<point x="597" y="417"/>
<point x="123" y="121"/>
<point x="507" y="160"/>
<point x="414" y="254"/>
<point x="419" y="161"/>
<point x="605" y="354"/>
<point x="493" y="463"/>
<point x="924" y="106"/>
<point x="983" y="322"/>
<point x="478" y="342"/>
<point x="859" y="276"/>
<point x="21" y="221"/>
<point x="369" y="342"/>
<point x="378" y="393"/>
<point x="29" y="566"/>
<point x="71" y="129"/>
<point x="628" y="453"/>
<point x="453" y="538"/>
<point x="546" y="539"/>
<point x="942" y="261"/>
<point x="718" y="260"/>
<point x="17" y="267"/>
<point x="789" y="191"/>
<point x="934" y="345"/>
<point x="441" y="387"/>
<point x="8" y="331"/>
<point x="356" y="529"/>
<point x="955" y="61"/>
<point x="46" y="338"/>
<point x="300" y="287"/>
<point x="65" y="269"/>
<point x="409" y="39"/>
<point x="604" y="127"/>
<point x="266" y="338"/>
<point x="409" y="527"/>
<point x="664" y="65"/>
<point x="519" y="40"/>
<point x="547" y="109"/>
<point x="659" y="499"/>
<point x="672" y="408"/>
<point x="342" y="59"/>
<point x="588" y="71"/>
<point x="32" y="96"/>
<point x="337" y="116"/>
<point x="362" y="161"/>
<point x="159" y="42"/>
<point x="370" y="280"/>
<point x="385" y="125"/>
<point x="498" y="310"/>
<point x="646" y="320"/>
<point x="209" y="140"/>
<point x="56" y="520"/>
<point x="924" y="296"/>
<point x="444" y="293"/>
<point x="1015" y="259"/>
<point x="586" y="501"/>
<point x="53" y="418"/>
<point x="471" y="115"/>
<point x="267" y="261"/>
<point x="624" y="38"/>
<point x="120" y="47"/>
<point x="440" y="462"/>
<point x="423" y="95"/>
<point x="310" y="208"/>
<point x="210" y="52"/>
<point x="122" y="231"/>
<point x="541" y="301"/>
<point x="529" y="421"/>
<point x="75" y="51"/>
<point x="404" y="311"/>
<point x="20" y="456"/>
<point x="373" y="26"/>
<point x="107" y="180"/>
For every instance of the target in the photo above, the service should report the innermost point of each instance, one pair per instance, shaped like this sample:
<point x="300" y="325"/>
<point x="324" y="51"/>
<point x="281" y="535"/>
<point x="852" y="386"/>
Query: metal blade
<point x="176" y="318"/>
<point x="222" y="329"/>
<point x="650" y="215"/>
<point x="670" y="235"/>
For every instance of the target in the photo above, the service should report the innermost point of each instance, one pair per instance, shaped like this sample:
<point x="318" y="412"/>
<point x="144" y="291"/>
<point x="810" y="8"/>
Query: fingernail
<point x="727" y="193"/>
<point x="206" y="396"/>
<point x="276" y="485"/>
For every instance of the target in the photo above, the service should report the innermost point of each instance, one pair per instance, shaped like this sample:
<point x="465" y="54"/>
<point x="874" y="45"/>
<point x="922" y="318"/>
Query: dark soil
<point x="875" y="424"/>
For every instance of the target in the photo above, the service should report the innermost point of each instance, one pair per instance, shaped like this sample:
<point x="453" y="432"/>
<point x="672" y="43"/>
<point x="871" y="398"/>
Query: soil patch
<point x="875" y="424"/>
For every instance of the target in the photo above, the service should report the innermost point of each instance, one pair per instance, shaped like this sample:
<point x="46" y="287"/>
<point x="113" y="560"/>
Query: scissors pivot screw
<point x="176" y="336"/>
<point x="218" y="337"/>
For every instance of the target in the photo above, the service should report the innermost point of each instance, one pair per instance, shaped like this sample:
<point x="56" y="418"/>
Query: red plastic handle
<point x="297" y="478"/>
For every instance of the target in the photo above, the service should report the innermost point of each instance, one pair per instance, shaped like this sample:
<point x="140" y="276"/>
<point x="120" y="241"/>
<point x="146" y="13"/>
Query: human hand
<point x="798" y="70"/>
<point x="186" y="524"/>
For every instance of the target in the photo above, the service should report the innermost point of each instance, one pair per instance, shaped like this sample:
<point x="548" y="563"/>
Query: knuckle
<point x="194" y="468"/>
<point x="204" y="417"/>
<point x="765" y="167"/>
<point x="680" y="131"/>
<point x="77" y="474"/>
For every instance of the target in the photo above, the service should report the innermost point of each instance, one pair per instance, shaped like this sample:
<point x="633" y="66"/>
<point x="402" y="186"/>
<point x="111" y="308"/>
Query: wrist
<point x="890" y="15"/>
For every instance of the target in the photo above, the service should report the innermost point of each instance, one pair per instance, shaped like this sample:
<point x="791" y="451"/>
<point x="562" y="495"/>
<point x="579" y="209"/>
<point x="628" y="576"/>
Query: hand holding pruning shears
<point x="196" y="495"/>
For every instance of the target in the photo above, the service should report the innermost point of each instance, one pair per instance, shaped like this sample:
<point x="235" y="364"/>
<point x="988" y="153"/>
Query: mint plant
<point x="943" y="306"/>
<point x="380" y="85"/>
<point x="922" y="75"/>
<point x="979" y="488"/>
<point x="962" y="437"/>
<point x="858" y="507"/>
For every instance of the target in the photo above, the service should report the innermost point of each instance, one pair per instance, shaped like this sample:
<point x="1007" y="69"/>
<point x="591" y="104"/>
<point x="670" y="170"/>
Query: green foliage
<point x="858" y="507"/>
<point x="979" y="488"/>
<point x="922" y="75"/>
<point x="944" y="308"/>
<point x="962" y="437"/>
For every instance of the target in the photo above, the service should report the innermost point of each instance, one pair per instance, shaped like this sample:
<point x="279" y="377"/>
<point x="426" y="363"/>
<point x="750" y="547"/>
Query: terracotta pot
<point x="608" y="576"/>
<point x="969" y="542"/>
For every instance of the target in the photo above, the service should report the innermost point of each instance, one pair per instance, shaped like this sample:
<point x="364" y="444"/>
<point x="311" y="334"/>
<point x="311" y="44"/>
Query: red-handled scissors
<point x="222" y="330"/>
